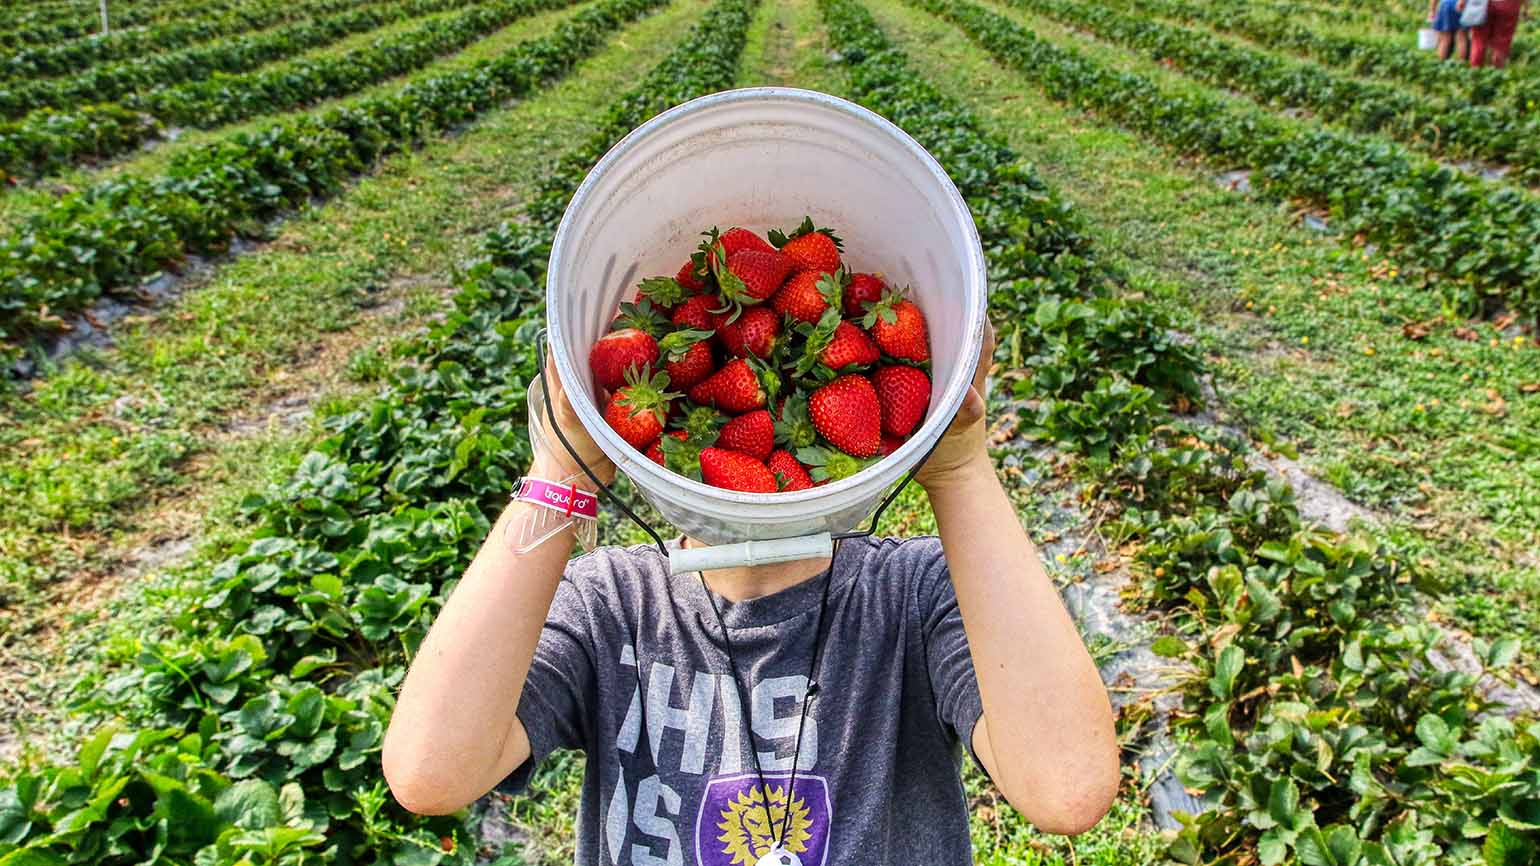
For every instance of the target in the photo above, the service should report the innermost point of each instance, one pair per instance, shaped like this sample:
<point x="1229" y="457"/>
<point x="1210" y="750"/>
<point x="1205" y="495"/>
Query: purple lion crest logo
<point x="731" y="828"/>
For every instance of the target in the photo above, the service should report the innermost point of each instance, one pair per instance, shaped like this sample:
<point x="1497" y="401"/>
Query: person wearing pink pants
<point x="1491" y="41"/>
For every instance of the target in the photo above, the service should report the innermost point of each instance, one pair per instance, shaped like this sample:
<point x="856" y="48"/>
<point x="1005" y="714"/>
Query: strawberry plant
<point x="1376" y="58"/>
<point x="1311" y="691"/>
<point x="47" y="140"/>
<point x="251" y="731"/>
<point x="38" y="56"/>
<point x="109" y="235"/>
<point x="1456" y="127"/>
<point x="1051" y="298"/>
<point x="1380" y="192"/>
<point x="109" y="81"/>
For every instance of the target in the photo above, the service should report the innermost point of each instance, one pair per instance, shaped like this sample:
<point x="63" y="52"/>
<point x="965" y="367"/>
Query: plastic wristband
<point x="565" y="498"/>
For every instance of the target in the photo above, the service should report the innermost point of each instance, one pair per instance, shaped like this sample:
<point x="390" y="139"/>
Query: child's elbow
<point x="416" y="789"/>
<point x="1075" y="800"/>
<point x="1084" y="801"/>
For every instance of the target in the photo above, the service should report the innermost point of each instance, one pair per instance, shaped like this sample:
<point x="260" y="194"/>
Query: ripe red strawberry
<point x="860" y="291"/>
<point x="618" y="351"/>
<point x="731" y="470"/>
<point x="813" y="249"/>
<point x="904" y="393"/>
<point x="733" y="240"/>
<point x="687" y="357"/>
<point x="890" y="444"/>
<point x="752" y="276"/>
<point x="695" y="313"/>
<point x="836" y="344"/>
<point x="898" y="326"/>
<point x="636" y="411"/>
<point x="849" y="345"/>
<point x="848" y="414"/>
<point x="734" y="388"/>
<point x="752" y="434"/>
<point x="655" y="452"/>
<point x="789" y="471"/>
<point x="688" y="278"/>
<point x="752" y="333"/>
<point x="807" y="294"/>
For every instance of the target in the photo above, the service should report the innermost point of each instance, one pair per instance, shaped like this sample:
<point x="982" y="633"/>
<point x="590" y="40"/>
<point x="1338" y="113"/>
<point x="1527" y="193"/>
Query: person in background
<point x="1444" y="15"/>
<point x="1491" y="42"/>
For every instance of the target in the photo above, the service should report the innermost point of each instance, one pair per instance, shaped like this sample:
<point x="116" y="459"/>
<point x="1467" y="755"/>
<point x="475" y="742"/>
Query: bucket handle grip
<point x="682" y="560"/>
<point x="657" y="539"/>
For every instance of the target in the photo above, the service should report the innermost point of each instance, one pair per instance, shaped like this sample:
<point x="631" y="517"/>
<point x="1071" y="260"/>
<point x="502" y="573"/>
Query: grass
<point x="1307" y="337"/>
<point x="111" y="429"/>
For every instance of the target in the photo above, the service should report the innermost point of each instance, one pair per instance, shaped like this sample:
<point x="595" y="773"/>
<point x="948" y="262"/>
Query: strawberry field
<point x="1265" y="280"/>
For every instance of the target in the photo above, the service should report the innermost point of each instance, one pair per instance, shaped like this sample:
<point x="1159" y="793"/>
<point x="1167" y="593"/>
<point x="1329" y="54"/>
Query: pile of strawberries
<point x="765" y="366"/>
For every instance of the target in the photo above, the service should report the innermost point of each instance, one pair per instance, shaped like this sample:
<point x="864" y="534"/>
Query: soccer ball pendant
<point x="779" y="857"/>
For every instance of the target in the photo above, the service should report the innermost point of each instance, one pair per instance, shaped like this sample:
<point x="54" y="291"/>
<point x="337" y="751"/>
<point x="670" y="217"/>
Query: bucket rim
<point x="649" y="475"/>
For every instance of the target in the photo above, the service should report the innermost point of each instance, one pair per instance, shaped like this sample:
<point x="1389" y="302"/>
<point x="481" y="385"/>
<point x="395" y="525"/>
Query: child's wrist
<point x="554" y="467"/>
<point x="967" y="475"/>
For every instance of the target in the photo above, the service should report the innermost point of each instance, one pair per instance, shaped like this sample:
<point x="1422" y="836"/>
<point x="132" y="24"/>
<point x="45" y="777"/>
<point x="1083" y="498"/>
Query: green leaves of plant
<point x="1226" y="668"/>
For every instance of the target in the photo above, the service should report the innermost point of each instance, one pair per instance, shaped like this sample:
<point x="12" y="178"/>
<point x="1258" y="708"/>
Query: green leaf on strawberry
<point x="663" y="291"/>
<point x="642" y="316"/>
<point x="794" y="429"/>
<point x="682" y="456"/>
<point x="831" y="464"/>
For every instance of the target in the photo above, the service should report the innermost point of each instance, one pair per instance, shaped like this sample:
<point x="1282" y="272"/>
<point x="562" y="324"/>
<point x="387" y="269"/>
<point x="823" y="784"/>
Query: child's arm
<point x="1047" y="734"/>
<point x="454" y="733"/>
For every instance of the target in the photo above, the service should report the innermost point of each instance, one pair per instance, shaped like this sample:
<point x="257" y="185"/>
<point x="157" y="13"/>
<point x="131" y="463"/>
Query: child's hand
<point x="553" y="458"/>
<point x="961" y="451"/>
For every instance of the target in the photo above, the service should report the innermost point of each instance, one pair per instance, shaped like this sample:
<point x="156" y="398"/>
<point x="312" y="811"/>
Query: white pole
<point x="104" y="17"/>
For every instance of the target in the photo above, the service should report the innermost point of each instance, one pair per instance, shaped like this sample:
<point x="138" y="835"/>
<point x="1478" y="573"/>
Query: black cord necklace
<point x="777" y="855"/>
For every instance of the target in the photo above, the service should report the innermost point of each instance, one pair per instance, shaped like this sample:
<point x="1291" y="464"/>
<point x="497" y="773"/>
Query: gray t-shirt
<point x="672" y="782"/>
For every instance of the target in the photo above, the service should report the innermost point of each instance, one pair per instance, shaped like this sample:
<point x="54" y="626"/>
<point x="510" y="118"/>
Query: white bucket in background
<point x="761" y="158"/>
<point x="1427" y="39"/>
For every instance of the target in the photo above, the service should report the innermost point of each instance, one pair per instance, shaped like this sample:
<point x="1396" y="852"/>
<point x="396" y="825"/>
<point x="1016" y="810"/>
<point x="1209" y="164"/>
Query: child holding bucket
<point x="810" y="712"/>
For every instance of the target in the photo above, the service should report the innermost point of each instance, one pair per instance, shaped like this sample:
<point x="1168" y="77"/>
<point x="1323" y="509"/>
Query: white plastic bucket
<point x="1427" y="39"/>
<point x="762" y="158"/>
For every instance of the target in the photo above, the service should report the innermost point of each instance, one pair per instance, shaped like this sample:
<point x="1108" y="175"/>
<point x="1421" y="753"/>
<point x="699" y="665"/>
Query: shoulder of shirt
<point x="605" y="575"/>
<point x="896" y="559"/>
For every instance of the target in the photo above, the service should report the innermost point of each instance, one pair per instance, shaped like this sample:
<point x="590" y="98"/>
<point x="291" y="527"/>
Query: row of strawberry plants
<point x="48" y="140"/>
<point x="112" y="233"/>
<point x="1052" y="296"/>
<point x="33" y="15"/>
<point x="122" y="18"/>
<point x="254" y="729"/>
<point x="76" y="26"/>
<point x="1316" y="727"/>
<point x="1379" y="191"/>
<point x="1378" y="58"/>
<point x="1454" y="127"/>
<point x="36" y="59"/>
<point x="235" y="54"/>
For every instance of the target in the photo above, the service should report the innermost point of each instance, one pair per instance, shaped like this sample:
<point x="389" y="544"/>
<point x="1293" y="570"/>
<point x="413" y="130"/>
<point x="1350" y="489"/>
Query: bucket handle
<point x="722" y="555"/>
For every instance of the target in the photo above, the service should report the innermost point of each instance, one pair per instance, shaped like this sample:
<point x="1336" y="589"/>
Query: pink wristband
<point x="558" y="497"/>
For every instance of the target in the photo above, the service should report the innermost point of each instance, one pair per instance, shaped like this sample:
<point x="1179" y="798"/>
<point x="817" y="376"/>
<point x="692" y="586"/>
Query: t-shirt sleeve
<point x="947" y="657"/>
<point x="556" y="706"/>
